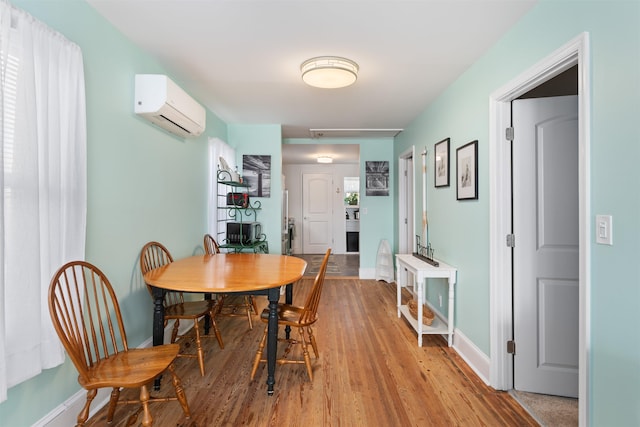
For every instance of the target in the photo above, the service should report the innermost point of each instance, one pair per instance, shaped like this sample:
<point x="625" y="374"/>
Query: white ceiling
<point x="241" y="58"/>
<point x="306" y="153"/>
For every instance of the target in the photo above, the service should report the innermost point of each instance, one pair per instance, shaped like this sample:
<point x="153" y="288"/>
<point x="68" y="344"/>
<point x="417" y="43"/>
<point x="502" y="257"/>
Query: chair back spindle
<point x="313" y="299"/>
<point x="211" y="247"/>
<point x="86" y="315"/>
<point x="155" y="255"/>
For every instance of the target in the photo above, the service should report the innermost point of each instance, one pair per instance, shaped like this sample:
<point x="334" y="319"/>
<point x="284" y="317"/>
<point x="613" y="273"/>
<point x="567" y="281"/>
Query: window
<point x="43" y="208"/>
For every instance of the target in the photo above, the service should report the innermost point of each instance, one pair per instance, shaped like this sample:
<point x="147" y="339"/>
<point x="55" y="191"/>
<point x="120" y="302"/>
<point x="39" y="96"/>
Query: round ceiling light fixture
<point x="325" y="159"/>
<point x="329" y="72"/>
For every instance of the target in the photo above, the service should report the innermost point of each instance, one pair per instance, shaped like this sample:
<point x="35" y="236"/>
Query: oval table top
<point x="222" y="273"/>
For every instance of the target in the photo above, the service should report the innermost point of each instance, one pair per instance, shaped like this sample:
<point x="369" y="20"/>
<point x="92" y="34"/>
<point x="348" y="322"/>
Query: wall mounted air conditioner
<point x="162" y="102"/>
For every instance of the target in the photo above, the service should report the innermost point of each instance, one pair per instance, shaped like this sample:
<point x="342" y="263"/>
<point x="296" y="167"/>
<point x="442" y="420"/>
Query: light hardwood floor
<point x="370" y="373"/>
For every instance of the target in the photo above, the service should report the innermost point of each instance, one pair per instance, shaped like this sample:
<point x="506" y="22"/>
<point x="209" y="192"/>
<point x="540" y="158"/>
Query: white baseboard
<point x="470" y="353"/>
<point x="367" y="273"/>
<point x="66" y="414"/>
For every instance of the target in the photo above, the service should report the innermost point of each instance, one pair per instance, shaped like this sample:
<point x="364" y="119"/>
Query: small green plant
<point x="351" y="199"/>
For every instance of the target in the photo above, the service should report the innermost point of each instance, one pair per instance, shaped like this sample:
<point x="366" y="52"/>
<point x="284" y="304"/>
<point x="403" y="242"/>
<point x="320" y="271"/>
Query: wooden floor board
<point x="370" y="373"/>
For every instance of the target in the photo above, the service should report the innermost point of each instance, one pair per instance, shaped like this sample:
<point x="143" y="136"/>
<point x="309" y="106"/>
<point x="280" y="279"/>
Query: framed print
<point x="377" y="176"/>
<point x="441" y="164"/>
<point x="256" y="172"/>
<point x="467" y="171"/>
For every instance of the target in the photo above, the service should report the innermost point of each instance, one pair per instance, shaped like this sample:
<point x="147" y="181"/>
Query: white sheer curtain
<point x="217" y="149"/>
<point x="43" y="208"/>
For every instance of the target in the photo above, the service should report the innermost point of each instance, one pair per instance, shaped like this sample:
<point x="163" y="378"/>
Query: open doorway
<point x="300" y="160"/>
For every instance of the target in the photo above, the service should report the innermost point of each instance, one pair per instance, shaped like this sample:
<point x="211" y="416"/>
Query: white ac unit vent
<point x="164" y="103"/>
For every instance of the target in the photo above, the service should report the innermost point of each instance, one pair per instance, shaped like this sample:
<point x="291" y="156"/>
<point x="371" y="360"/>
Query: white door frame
<point x="501" y="315"/>
<point x="405" y="246"/>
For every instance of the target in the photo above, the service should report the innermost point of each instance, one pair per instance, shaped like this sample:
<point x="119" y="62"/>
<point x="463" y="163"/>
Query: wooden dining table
<point x="241" y="273"/>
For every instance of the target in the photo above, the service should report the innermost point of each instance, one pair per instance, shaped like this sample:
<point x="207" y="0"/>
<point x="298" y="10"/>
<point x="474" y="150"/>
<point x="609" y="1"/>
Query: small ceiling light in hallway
<point x="325" y="159"/>
<point x="329" y="72"/>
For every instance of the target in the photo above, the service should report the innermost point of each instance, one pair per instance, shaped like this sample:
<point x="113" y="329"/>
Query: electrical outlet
<point x="440" y="300"/>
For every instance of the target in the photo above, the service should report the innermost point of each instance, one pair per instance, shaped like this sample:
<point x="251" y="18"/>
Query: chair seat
<point x="188" y="309"/>
<point x="288" y="315"/>
<point x="132" y="368"/>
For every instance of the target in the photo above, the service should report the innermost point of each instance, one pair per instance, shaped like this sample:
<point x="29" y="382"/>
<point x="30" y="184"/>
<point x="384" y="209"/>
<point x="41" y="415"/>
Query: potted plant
<point x="351" y="199"/>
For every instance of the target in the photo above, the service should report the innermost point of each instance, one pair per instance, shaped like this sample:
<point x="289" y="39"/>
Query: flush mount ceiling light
<point x="329" y="72"/>
<point x="324" y="159"/>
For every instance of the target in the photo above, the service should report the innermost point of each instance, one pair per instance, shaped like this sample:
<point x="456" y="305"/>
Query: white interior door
<point x="317" y="208"/>
<point x="546" y="252"/>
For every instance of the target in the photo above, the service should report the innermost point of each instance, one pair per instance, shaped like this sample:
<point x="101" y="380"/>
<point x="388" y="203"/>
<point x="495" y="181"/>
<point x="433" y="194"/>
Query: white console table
<point x="421" y="271"/>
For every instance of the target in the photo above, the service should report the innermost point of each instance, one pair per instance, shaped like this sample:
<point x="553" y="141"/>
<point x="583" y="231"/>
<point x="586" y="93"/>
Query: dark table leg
<point x="272" y="338"/>
<point x="207" y="321"/>
<point x="288" y="298"/>
<point x="158" y="324"/>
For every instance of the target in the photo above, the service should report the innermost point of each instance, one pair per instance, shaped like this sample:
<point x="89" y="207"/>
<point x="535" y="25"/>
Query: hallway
<point x="340" y="265"/>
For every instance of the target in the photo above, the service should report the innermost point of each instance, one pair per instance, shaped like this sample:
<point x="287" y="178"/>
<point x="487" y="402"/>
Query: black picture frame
<point x="377" y="178"/>
<point x="467" y="171"/>
<point x="256" y="173"/>
<point x="441" y="164"/>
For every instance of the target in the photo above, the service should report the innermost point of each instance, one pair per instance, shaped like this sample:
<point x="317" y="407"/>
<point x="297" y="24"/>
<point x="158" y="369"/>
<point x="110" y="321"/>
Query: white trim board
<point x="574" y="52"/>
<point x="366" y="273"/>
<point x="472" y="355"/>
<point x="404" y="195"/>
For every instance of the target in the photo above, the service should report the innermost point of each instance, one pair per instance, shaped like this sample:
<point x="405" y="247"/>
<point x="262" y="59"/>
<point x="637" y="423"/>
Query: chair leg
<point x="214" y="325"/>
<point x="254" y="304"/>
<point x="174" y="331"/>
<point x="220" y="303"/>
<point x="249" y="306"/>
<point x="84" y="413"/>
<point x="199" y="347"/>
<point x="305" y="353"/>
<point x="312" y="339"/>
<point x="256" y="360"/>
<point x="113" y="402"/>
<point x="182" y="398"/>
<point x="147" y="419"/>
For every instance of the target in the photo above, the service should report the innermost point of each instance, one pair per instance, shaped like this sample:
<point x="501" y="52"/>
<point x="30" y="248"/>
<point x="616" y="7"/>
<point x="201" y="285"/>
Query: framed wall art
<point x="441" y="163"/>
<point x="256" y="171"/>
<point x="467" y="171"/>
<point x="377" y="178"/>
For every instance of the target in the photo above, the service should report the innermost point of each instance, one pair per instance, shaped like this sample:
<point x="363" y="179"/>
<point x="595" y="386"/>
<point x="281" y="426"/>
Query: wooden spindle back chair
<point x="87" y="318"/>
<point x="155" y="255"/>
<point x="301" y="317"/>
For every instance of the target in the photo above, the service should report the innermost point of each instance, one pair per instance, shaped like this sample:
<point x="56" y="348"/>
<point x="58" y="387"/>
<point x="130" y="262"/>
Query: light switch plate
<point x="604" y="230"/>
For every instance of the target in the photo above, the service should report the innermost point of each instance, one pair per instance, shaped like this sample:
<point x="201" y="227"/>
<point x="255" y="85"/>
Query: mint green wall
<point x="143" y="184"/>
<point x="377" y="223"/>
<point x="263" y="140"/>
<point x="460" y="230"/>
<point x="137" y="169"/>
